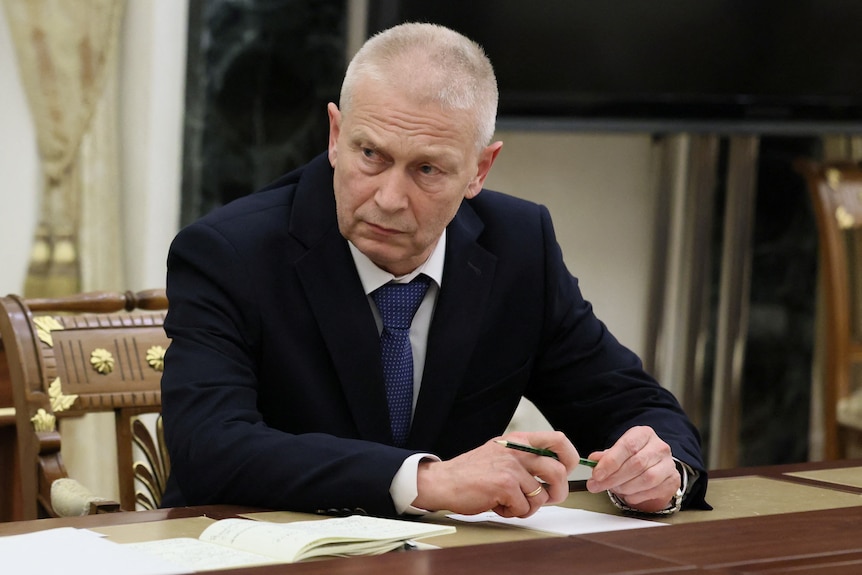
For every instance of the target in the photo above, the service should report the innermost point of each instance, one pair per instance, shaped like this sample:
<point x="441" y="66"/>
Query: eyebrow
<point x="359" y="136"/>
<point x="434" y="155"/>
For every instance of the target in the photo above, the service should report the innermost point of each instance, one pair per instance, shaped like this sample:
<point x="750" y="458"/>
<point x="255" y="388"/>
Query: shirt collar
<point x="372" y="277"/>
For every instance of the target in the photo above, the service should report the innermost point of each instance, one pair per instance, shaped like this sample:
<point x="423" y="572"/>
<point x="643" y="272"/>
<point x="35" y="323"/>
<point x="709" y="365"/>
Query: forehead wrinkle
<point x="383" y="128"/>
<point x="414" y="122"/>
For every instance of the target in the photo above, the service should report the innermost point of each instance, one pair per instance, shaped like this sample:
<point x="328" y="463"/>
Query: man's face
<point x="401" y="171"/>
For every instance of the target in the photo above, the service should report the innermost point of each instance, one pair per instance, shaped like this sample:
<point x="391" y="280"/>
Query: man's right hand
<point x="496" y="478"/>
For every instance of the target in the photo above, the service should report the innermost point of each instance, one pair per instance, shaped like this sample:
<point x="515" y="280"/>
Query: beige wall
<point x="153" y="64"/>
<point x="19" y="172"/>
<point x="597" y="188"/>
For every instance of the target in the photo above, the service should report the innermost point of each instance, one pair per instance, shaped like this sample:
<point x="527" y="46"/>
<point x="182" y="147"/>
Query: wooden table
<point x="792" y="519"/>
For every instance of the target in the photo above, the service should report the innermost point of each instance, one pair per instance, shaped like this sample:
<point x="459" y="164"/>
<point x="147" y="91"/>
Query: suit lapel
<point x="337" y="300"/>
<point x="467" y="279"/>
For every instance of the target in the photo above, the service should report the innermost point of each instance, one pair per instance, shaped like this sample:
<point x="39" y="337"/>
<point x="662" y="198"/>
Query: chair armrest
<point x="71" y="499"/>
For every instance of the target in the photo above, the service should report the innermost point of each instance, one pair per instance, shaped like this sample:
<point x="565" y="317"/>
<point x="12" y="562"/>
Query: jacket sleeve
<point x="592" y="387"/>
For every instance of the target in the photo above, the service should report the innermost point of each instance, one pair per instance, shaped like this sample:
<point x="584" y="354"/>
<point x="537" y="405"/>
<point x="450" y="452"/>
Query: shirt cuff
<point x="404" y="488"/>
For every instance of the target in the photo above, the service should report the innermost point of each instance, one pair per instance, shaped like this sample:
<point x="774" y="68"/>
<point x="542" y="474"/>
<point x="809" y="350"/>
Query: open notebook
<point x="238" y="542"/>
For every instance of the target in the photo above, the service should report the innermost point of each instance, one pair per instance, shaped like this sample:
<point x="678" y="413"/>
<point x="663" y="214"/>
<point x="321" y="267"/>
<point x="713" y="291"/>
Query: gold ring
<point x="535" y="491"/>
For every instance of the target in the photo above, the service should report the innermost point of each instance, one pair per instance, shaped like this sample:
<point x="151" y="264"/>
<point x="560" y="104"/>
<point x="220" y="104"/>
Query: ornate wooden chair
<point x="8" y="463"/>
<point x="836" y="193"/>
<point x="92" y="352"/>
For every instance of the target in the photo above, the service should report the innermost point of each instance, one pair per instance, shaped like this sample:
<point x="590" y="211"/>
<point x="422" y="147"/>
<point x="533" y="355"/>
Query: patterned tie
<point x="397" y="304"/>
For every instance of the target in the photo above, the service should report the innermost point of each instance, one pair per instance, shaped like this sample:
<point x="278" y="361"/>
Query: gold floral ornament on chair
<point x="44" y="326"/>
<point x="156" y="358"/>
<point x="43" y="421"/>
<point x="59" y="401"/>
<point x="102" y="361"/>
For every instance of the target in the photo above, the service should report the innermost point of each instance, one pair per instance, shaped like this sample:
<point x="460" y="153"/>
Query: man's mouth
<point x="383" y="230"/>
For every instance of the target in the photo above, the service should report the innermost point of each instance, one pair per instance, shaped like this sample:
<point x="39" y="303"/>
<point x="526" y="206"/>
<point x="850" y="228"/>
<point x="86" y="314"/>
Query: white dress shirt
<point x="403" y="488"/>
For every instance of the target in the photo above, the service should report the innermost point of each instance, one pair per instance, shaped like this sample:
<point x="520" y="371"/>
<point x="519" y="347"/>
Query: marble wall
<point x="777" y="370"/>
<point x="781" y="335"/>
<point x="259" y="75"/>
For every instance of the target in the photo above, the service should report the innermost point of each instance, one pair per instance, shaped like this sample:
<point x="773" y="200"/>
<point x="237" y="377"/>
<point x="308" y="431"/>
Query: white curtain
<point x="67" y="54"/>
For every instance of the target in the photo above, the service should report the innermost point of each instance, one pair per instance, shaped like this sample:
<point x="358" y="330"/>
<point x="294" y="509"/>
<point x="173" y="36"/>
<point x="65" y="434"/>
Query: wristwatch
<point x="675" y="504"/>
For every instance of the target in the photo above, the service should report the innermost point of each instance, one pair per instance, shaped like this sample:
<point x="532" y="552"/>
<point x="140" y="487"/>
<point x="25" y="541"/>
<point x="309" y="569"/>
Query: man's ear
<point x="486" y="160"/>
<point x="334" y="130"/>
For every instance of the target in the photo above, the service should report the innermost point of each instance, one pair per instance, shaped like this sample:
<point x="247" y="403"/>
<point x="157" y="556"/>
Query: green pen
<point x="541" y="451"/>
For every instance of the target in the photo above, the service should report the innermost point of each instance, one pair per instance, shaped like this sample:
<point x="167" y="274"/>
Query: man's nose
<point x="393" y="188"/>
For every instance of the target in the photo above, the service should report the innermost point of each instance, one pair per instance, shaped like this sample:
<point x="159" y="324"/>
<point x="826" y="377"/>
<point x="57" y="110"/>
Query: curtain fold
<point x="67" y="54"/>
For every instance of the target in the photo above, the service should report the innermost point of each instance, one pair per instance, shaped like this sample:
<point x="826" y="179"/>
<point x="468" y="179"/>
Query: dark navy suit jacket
<point x="273" y="387"/>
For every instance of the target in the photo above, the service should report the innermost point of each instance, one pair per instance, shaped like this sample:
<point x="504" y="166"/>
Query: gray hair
<point x="439" y="65"/>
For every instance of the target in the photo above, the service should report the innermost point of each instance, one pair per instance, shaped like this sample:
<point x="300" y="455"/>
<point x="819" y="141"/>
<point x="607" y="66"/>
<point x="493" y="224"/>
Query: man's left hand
<point x="639" y="469"/>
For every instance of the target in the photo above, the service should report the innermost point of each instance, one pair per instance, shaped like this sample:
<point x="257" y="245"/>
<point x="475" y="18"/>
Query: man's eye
<point x="369" y="153"/>
<point x="428" y="170"/>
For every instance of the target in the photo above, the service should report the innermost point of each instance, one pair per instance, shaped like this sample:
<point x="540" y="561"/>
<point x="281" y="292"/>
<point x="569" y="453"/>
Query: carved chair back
<point x="91" y="352"/>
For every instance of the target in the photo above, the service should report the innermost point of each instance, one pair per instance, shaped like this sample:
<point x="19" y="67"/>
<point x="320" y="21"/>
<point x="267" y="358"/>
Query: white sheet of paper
<point x="76" y="552"/>
<point x="565" y="521"/>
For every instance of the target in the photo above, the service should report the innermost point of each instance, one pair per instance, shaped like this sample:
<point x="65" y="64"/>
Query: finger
<point x="641" y="471"/>
<point x="552" y="476"/>
<point x="614" y="459"/>
<point x="636" y="452"/>
<point x="658" y="482"/>
<point x="652" y="500"/>
<point x="552" y="471"/>
<point x="518" y="506"/>
<point x="556" y="487"/>
<point x="534" y="499"/>
<point x="523" y="497"/>
<point x="535" y="492"/>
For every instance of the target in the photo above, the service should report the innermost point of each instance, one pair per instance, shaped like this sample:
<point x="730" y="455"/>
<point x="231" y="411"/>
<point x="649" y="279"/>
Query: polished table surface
<point x="793" y="519"/>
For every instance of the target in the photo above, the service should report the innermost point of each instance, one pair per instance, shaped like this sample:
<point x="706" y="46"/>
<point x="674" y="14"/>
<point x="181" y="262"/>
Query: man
<point x="276" y="380"/>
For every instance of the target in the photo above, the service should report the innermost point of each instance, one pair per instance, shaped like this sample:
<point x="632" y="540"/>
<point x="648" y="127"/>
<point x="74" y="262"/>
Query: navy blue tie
<point x="397" y="304"/>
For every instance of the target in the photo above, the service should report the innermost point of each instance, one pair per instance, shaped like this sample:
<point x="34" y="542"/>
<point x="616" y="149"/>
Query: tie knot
<point x="397" y="303"/>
